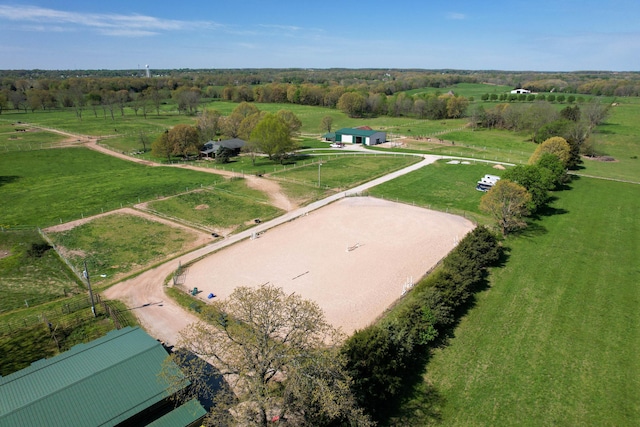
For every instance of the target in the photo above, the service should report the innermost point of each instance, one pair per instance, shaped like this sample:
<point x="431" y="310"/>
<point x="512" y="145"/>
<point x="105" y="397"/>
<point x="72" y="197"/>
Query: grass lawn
<point x="442" y="187"/>
<point x="555" y="339"/>
<point x="618" y="138"/>
<point x="30" y="271"/>
<point x="345" y="171"/>
<point x="13" y="140"/>
<point x="46" y="187"/>
<point x="118" y="244"/>
<point x="230" y="206"/>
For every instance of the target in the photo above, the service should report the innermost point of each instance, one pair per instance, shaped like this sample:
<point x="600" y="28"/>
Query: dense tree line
<point x="383" y="90"/>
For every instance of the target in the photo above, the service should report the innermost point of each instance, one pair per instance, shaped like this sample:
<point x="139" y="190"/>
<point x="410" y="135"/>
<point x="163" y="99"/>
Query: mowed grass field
<point x="441" y="186"/>
<point x="227" y="207"/>
<point x="47" y="187"/>
<point x="117" y="244"/>
<point x="343" y="170"/>
<point x="555" y="339"/>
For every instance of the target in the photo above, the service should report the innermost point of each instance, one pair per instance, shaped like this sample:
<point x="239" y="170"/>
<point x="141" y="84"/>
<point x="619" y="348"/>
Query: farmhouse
<point x="107" y="382"/>
<point x="518" y="91"/>
<point x="360" y="136"/>
<point x="211" y="148"/>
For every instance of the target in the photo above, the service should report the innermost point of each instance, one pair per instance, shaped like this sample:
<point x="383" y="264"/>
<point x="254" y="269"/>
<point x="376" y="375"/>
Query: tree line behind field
<point x="107" y="92"/>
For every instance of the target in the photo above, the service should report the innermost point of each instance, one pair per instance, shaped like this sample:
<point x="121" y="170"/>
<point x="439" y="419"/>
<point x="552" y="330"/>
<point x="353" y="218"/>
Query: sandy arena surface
<point x="309" y="256"/>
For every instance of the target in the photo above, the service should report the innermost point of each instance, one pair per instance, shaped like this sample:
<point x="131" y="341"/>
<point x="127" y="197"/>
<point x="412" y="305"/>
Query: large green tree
<point x="536" y="179"/>
<point x="557" y="146"/>
<point x="184" y="139"/>
<point x="273" y="137"/>
<point x="161" y="147"/>
<point x="508" y="203"/>
<point x="208" y="124"/>
<point x="293" y="122"/>
<point x="353" y="104"/>
<point x="279" y="356"/>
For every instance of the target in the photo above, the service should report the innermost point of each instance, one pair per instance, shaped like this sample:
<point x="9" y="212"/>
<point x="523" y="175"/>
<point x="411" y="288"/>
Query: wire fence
<point x="71" y="312"/>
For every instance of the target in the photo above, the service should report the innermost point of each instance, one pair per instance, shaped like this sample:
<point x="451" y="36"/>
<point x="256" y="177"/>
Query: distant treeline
<point x="371" y="91"/>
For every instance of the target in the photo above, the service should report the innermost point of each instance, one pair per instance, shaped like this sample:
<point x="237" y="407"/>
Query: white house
<point x="520" y="91"/>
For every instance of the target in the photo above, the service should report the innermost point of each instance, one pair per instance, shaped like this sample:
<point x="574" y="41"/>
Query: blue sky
<point x="543" y="35"/>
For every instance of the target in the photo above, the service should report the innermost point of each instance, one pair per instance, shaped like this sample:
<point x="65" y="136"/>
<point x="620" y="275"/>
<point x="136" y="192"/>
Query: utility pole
<point x="85" y="273"/>
<point x="319" y="164"/>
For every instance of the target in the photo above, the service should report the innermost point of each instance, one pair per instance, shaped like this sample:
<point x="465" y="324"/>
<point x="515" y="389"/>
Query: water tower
<point x="148" y="72"/>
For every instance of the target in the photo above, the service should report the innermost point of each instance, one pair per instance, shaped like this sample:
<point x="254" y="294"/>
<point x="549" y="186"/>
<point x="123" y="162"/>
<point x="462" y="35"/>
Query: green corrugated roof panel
<point x="184" y="415"/>
<point x="356" y="132"/>
<point x="100" y="383"/>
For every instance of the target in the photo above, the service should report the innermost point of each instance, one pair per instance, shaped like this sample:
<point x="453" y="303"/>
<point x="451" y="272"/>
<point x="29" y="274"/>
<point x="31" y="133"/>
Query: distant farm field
<point x="554" y="341"/>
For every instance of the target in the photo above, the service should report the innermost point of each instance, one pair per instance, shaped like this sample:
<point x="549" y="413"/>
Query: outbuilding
<point x="111" y="381"/>
<point x="360" y="136"/>
<point x="519" y="91"/>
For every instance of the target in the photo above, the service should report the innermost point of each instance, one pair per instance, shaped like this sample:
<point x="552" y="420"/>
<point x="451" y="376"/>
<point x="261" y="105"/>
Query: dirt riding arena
<point x="351" y="257"/>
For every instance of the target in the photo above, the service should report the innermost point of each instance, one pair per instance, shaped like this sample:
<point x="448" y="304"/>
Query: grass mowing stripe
<point x="554" y="340"/>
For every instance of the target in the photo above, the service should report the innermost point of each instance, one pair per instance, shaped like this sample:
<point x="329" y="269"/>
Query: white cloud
<point x="282" y="27"/>
<point x="456" y="16"/>
<point x="108" y="24"/>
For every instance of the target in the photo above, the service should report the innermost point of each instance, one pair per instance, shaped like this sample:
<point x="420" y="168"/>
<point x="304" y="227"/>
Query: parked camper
<point x="486" y="182"/>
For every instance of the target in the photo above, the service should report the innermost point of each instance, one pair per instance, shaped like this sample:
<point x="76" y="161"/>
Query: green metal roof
<point x="356" y="132"/>
<point x="184" y="415"/>
<point x="100" y="383"/>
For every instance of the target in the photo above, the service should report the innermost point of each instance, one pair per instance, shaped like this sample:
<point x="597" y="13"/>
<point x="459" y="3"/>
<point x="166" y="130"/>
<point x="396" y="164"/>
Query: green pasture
<point x="554" y="340"/>
<point x="229" y="206"/>
<point x="464" y="89"/>
<point x="101" y="126"/>
<point x="30" y="272"/>
<point x="618" y="137"/>
<point x="344" y="171"/>
<point x="119" y="244"/>
<point x="441" y="186"/>
<point x="13" y="140"/>
<point x="481" y="144"/>
<point x="47" y="187"/>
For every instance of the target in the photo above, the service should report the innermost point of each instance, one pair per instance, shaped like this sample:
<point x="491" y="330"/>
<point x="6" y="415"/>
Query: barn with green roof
<point x="360" y="136"/>
<point x="112" y="381"/>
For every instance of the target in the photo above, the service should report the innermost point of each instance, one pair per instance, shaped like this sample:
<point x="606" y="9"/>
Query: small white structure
<point x="486" y="182"/>
<point x="518" y="91"/>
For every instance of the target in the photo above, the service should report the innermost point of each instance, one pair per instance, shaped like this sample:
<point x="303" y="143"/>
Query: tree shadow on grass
<point x="423" y="406"/>
<point x="4" y="180"/>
